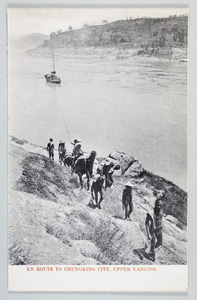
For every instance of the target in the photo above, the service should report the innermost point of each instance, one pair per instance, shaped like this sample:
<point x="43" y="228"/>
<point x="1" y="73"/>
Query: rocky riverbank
<point x="169" y="53"/>
<point x="52" y="221"/>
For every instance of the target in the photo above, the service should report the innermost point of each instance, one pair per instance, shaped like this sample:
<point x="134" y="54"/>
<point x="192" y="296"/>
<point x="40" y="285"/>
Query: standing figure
<point x="110" y="178"/>
<point x="77" y="152"/>
<point x="153" y="225"/>
<point x="75" y="142"/>
<point x="97" y="187"/>
<point x="108" y="172"/>
<point x="50" y="149"/>
<point x="127" y="203"/>
<point x="61" y="151"/>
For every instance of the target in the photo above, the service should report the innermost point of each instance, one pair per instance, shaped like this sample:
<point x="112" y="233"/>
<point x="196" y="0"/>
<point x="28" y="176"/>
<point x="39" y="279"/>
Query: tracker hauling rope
<point x="180" y="258"/>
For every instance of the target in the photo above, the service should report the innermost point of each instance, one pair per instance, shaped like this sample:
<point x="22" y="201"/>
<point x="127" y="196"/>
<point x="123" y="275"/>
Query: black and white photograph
<point x="97" y="138"/>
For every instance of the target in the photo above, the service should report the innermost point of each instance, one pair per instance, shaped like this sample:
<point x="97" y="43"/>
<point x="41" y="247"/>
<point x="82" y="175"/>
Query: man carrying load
<point x="61" y="151"/>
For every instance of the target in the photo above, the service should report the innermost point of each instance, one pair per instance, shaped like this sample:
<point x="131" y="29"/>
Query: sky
<point x="24" y="21"/>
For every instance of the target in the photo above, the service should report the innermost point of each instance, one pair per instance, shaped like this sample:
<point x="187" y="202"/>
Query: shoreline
<point x="167" y="53"/>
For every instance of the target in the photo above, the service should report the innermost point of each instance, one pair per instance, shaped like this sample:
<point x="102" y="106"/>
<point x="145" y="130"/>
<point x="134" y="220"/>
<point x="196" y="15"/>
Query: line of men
<point x="107" y="170"/>
<point x="153" y="222"/>
<point x="62" y="149"/>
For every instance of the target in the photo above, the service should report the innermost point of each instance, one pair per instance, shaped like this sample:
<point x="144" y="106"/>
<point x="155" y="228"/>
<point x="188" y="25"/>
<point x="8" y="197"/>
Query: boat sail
<point x="52" y="77"/>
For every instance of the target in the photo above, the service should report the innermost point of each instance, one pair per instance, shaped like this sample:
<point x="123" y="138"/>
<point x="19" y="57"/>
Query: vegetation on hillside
<point x="38" y="179"/>
<point x="175" y="201"/>
<point x="42" y="177"/>
<point x="151" y="35"/>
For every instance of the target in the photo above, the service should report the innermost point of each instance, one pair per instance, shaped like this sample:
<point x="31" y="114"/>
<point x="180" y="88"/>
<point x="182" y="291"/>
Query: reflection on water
<point x="53" y="85"/>
<point x="136" y="105"/>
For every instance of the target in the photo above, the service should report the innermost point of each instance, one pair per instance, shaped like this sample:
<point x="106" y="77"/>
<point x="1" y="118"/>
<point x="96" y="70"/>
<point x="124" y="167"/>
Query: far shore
<point x="168" y="53"/>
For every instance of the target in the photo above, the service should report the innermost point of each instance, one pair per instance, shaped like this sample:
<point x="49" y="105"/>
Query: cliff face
<point x="53" y="221"/>
<point x="148" y="36"/>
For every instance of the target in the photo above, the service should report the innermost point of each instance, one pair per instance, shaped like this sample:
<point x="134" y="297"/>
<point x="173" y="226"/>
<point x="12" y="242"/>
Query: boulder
<point x="128" y="164"/>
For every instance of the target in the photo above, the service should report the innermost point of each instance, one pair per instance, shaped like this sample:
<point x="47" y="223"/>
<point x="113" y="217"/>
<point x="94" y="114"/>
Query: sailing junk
<point x="52" y="77"/>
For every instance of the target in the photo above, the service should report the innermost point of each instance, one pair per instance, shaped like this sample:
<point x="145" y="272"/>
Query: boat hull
<point x="52" y="79"/>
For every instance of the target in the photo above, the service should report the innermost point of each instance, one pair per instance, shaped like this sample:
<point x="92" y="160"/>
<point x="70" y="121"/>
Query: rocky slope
<point x="53" y="221"/>
<point x="159" y="37"/>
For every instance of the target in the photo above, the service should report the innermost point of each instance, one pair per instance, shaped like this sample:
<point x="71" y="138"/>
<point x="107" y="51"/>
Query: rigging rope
<point x="66" y="127"/>
<point x="134" y="200"/>
<point x="53" y="53"/>
<point x="54" y="98"/>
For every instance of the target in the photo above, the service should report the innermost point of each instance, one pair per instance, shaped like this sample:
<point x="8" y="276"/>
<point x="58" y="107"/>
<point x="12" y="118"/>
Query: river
<point x="137" y="105"/>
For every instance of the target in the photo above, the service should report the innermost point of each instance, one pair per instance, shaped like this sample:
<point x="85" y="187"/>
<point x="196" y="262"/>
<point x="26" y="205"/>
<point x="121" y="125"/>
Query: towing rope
<point x="66" y="128"/>
<point x="134" y="200"/>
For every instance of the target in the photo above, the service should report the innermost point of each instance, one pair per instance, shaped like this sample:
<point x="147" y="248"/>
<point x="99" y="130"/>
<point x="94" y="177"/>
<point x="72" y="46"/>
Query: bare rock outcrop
<point x="129" y="166"/>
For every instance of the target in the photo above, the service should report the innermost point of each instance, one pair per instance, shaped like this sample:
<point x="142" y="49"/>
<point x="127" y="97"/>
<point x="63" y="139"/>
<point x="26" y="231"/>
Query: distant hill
<point x="148" y="36"/>
<point x="28" y="41"/>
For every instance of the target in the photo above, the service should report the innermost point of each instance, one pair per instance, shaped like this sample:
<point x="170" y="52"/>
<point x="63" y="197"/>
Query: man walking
<point x="61" y="151"/>
<point x="127" y="203"/>
<point x="50" y="149"/>
<point x="153" y="225"/>
<point x="97" y="187"/>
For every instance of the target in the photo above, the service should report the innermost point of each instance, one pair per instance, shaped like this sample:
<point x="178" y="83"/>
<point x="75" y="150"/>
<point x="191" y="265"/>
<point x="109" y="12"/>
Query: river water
<point x="137" y="105"/>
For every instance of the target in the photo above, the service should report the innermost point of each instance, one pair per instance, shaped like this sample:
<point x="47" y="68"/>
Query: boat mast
<point x="53" y="53"/>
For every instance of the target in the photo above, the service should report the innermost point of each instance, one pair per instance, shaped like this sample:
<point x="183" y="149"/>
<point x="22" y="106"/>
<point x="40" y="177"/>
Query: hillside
<point x="27" y="42"/>
<point x="53" y="221"/>
<point x="160" y="37"/>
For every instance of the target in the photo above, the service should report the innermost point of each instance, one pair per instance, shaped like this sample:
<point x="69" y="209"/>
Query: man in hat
<point x="127" y="203"/>
<point x="153" y="225"/>
<point x="77" y="152"/>
<point x="77" y="149"/>
<point x="74" y="143"/>
<point x="50" y="148"/>
<point x="97" y="187"/>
